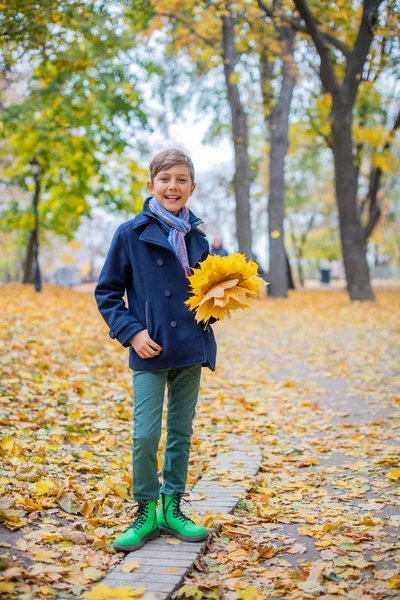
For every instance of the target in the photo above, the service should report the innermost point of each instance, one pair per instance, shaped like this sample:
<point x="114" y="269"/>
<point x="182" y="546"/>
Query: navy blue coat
<point x="142" y="262"/>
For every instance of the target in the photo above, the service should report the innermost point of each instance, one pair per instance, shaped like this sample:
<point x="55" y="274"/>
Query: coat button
<point x="112" y="334"/>
<point x="167" y="293"/>
<point x="160" y="262"/>
<point x="173" y="323"/>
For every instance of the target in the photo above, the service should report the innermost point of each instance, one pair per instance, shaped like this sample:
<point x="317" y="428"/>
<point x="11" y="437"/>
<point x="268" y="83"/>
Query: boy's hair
<point x="167" y="159"/>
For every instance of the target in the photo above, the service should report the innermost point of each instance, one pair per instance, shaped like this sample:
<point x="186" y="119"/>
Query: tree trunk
<point x="279" y="126"/>
<point x="28" y="264"/>
<point x="351" y="231"/>
<point x="289" y="273"/>
<point x="299" y="256"/>
<point x="240" y="140"/>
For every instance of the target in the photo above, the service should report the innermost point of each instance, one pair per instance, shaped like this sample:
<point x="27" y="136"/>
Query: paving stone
<point x="212" y="486"/>
<point x="213" y="507"/>
<point x="115" y="573"/>
<point x="114" y="583"/>
<point x="165" y="561"/>
<point x="213" y="492"/>
<point x="136" y="577"/>
<point x="216" y="502"/>
<point x="159" y="587"/>
<point x="181" y="570"/>
<point x="163" y="551"/>
<point x="190" y="546"/>
<point x="162" y="545"/>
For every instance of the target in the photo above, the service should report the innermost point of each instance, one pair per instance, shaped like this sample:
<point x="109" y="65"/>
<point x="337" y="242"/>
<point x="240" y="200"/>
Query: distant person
<point x="217" y="248"/>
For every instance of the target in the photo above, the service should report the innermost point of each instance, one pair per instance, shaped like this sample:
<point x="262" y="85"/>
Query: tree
<point x="79" y="98"/>
<point x="276" y="112"/>
<point x="343" y="93"/>
<point x="240" y="136"/>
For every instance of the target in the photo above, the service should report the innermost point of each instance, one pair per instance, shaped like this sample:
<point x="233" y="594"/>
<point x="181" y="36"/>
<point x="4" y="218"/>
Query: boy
<point x="151" y="256"/>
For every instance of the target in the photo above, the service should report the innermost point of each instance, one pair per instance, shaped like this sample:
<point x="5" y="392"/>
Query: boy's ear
<point x="150" y="186"/>
<point x="192" y="188"/>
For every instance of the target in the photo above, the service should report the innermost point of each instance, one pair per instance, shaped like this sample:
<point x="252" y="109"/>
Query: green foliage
<point x="78" y="113"/>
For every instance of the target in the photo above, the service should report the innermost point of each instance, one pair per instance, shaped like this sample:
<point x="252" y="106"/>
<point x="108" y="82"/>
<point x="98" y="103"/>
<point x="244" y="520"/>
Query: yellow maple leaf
<point x="43" y="487"/>
<point x="7" y="443"/>
<point x="394" y="474"/>
<point x="174" y="542"/>
<point x="46" y="590"/>
<point x="394" y="583"/>
<point x="87" y="454"/>
<point x="223" y="284"/>
<point x="129" y="566"/>
<point x="250" y="593"/>
<point x="103" y="592"/>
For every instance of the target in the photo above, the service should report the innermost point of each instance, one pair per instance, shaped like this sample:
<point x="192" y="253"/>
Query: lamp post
<point x="35" y="170"/>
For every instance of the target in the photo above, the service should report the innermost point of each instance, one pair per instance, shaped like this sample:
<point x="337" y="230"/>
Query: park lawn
<point x="65" y="484"/>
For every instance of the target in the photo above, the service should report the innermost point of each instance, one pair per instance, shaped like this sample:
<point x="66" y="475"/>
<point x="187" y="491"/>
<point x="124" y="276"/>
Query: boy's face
<point x="172" y="187"/>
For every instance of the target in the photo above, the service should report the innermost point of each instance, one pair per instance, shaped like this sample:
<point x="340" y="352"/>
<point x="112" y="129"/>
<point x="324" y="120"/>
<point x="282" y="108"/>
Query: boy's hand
<point x="144" y="346"/>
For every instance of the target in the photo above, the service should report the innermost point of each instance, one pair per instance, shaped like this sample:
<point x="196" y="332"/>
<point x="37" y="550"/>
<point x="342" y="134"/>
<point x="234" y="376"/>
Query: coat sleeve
<point x="115" y="275"/>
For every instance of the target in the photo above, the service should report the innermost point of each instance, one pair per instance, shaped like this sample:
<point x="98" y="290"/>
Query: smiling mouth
<point x="172" y="197"/>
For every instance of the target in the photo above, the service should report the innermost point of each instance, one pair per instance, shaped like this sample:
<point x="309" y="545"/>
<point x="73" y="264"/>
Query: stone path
<point x="157" y="556"/>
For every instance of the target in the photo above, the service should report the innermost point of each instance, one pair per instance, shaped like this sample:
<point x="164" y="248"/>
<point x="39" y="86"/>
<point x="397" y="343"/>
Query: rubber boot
<point x="172" y="520"/>
<point x="143" y="529"/>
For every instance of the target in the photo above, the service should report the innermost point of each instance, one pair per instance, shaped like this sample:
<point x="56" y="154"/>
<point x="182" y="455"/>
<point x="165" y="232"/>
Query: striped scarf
<point x="177" y="228"/>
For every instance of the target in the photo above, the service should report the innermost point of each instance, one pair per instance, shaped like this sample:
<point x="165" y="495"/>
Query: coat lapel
<point x="196" y="241"/>
<point x="154" y="235"/>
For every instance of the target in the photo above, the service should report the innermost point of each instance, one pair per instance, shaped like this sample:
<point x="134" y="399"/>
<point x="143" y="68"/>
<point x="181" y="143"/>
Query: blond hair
<point x="168" y="158"/>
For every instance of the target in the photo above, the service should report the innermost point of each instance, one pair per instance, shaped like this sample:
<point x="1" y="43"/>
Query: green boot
<point x="172" y="520"/>
<point x="143" y="529"/>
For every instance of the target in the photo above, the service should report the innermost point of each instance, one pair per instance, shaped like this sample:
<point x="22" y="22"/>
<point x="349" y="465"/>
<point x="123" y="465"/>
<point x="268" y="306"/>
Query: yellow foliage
<point x="223" y="284"/>
<point x="67" y="259"/>
<point x="75" y="245"/>
<point x="103" y="592"/>
<point x="386" y="161"/>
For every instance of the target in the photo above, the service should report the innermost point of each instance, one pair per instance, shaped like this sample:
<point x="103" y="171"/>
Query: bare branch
<point x="328" y="77"/>
<point x="373" y="188"/>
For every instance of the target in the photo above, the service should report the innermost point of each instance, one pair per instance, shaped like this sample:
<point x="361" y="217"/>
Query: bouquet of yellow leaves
<point x="223" y="284"/>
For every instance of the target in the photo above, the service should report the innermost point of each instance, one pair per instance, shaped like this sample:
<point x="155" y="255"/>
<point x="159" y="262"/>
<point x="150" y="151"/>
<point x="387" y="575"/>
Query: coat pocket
<point x="146" y="312"/>
<point x="153" y="326"/>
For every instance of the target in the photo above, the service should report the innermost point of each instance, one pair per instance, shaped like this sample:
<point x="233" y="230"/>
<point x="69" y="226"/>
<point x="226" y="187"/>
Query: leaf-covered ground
<point x="312" y="379"/>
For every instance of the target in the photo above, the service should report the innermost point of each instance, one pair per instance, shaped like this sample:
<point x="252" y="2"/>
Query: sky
<point x="190" y="135"/>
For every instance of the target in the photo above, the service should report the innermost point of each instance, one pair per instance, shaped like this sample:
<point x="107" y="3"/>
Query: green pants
<point x="149" y="387"/>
